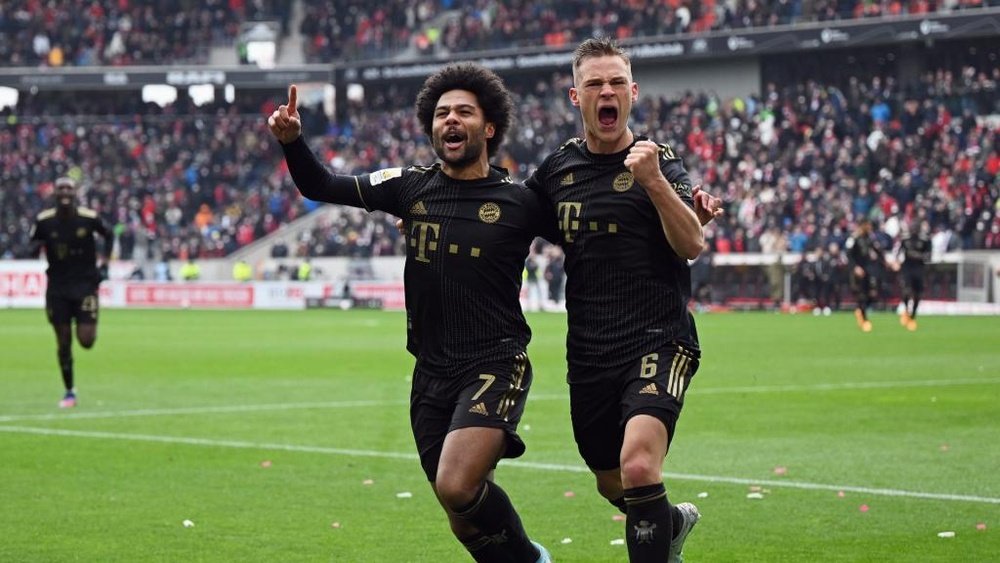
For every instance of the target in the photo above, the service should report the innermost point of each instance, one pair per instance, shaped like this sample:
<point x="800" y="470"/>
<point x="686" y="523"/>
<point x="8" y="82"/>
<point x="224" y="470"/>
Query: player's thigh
<point x="655" y="385"/>
<point x="596" y="415"/>
<point x="491" y="396"/>
<point x="59" y="309"/>
<point x="85" y="312"/>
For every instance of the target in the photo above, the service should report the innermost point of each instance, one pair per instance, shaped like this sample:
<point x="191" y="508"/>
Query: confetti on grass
<point x="618" y="517"/>
<point x="335" y="525"/>
<point x="948" y="534"/>
<point x="188" y="524"/>
<point x="981" y="526"/>
<point x="404" y="494"/>
<point x="755" y="496"/>
<point x="266" y="463"/>
<point x="618" y="542"/>
<point x="781" y="470"/>
<point x="864" y="508"/>
<point x="567" y="540"/>
<point x="569" y="494"/>
<point x="368" y="482"/>
<point x="703" y="494"/>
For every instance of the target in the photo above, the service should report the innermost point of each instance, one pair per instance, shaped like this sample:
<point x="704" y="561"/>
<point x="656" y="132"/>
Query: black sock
<point x="916" y="302"/>
<point x="66" y="366"/>
<point x="648" y="524"/>
<point x="492" y="513"/>
<point x="483" y="549"/>
<point x="619" y="503"/>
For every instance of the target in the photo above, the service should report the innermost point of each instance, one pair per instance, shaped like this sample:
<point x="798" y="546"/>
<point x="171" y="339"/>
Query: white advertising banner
<point x="22" y="283"/>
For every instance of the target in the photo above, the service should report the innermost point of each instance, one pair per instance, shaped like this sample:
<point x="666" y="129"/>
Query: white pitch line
<point x="843" y="386"/>
<point x="212" y="409"/>
<point x="512" y="463"/>
<point x="225" y="409"/>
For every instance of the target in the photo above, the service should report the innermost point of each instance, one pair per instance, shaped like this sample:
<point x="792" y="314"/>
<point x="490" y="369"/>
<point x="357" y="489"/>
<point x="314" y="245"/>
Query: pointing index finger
<point x="293" y="98"/>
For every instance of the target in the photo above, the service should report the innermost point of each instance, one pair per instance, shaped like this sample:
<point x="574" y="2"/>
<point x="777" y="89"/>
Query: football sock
<point x="492" y="513"/>
<point x="619" y="503"/>
<point x="66" y="367"/>
<point x="648" y="524"/>
<point x="916" y="302"/>
<point x="483" y="549"/>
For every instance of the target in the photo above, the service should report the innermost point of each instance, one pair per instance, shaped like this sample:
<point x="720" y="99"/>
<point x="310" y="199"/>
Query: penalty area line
<point x="239" y="444"/>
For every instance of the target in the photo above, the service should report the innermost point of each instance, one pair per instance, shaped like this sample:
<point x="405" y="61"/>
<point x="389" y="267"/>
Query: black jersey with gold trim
<point x="70" y="248"/>
<point x="466" y="244"/>
<point x="627" y="290"/>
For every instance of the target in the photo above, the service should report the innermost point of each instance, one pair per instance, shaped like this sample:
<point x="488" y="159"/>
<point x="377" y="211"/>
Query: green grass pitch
<point x="284" y="436"/>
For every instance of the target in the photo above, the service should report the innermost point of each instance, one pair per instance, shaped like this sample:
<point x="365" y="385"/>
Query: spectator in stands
<point x="242" y="272"/>
<point x="190" y="271"/>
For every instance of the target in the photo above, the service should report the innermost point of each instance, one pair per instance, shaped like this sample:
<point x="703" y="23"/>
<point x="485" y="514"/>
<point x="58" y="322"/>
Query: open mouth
<point x="607" y="116"/>
<point x="453" y="140"/>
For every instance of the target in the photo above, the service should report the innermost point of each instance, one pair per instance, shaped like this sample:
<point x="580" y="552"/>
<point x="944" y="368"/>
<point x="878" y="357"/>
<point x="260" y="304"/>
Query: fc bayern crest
<point x="623" y="182"/>
<point x="489" y="212"/>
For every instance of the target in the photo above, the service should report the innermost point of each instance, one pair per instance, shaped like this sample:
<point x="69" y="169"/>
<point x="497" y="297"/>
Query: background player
<point x="916" y="252"/>
<point x="868" y="266"/>
<point x="66" y="232"/>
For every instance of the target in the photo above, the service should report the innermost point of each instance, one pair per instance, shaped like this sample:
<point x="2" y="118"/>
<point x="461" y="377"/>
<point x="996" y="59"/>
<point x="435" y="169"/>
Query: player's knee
<point x="610" y="491"/>
<point x="456" y="493"/>
<point x="638" y="470"/>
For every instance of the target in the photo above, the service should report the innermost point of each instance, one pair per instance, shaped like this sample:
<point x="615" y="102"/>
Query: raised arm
<point x="681" y="225"/>
<point x="311" y="177"/>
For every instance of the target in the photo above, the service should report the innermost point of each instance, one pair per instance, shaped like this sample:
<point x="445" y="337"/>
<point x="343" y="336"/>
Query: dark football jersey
<point x="627" y="290"/>
<point x="467" y="241"/>
<point x="865" y="251"/>
<point x="70" y="249"/>
<point x="916" y="253"/>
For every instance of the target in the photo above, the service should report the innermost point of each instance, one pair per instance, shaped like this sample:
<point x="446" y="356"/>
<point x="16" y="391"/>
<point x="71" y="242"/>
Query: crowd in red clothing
<point x="57" y="33"/>
<point x="806" y="160"/>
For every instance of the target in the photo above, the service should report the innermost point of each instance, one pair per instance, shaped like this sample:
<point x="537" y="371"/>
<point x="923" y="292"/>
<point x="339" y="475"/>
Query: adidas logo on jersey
<point x="418" y="209"/>
<point x="649" y="390"/>
<point x="479" y="408"/>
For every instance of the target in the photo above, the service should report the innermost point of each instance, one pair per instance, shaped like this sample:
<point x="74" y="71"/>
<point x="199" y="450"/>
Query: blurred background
<point x="805" y="116"/>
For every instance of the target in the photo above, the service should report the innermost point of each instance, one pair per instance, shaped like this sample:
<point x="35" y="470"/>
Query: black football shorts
<point x="490" y="396"/>
<point x="653" y="384"/>
<point x="63" y="308"/>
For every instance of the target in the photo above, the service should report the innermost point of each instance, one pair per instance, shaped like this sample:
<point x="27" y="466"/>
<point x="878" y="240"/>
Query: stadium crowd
<point x="58" y="33"/>
<point x="340" y="29"/>
<point x="806" y="161"/>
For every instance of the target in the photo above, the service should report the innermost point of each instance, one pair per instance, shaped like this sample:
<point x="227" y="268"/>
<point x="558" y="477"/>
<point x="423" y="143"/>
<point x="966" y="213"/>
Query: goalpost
<point x="978" y="276"/>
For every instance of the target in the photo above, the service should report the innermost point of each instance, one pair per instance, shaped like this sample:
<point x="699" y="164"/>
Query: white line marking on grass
<point x="843" y="386"/>
<point x="225" y="409"/>
<point x="203" y="442"/>
<point x="512" y="463"/>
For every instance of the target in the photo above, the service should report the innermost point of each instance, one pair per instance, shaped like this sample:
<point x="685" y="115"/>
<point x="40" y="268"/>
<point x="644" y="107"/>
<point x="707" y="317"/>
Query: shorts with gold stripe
<point x="491" y="396"/>
<point x="602" y="400"/>
<point x="63" y="306"/>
